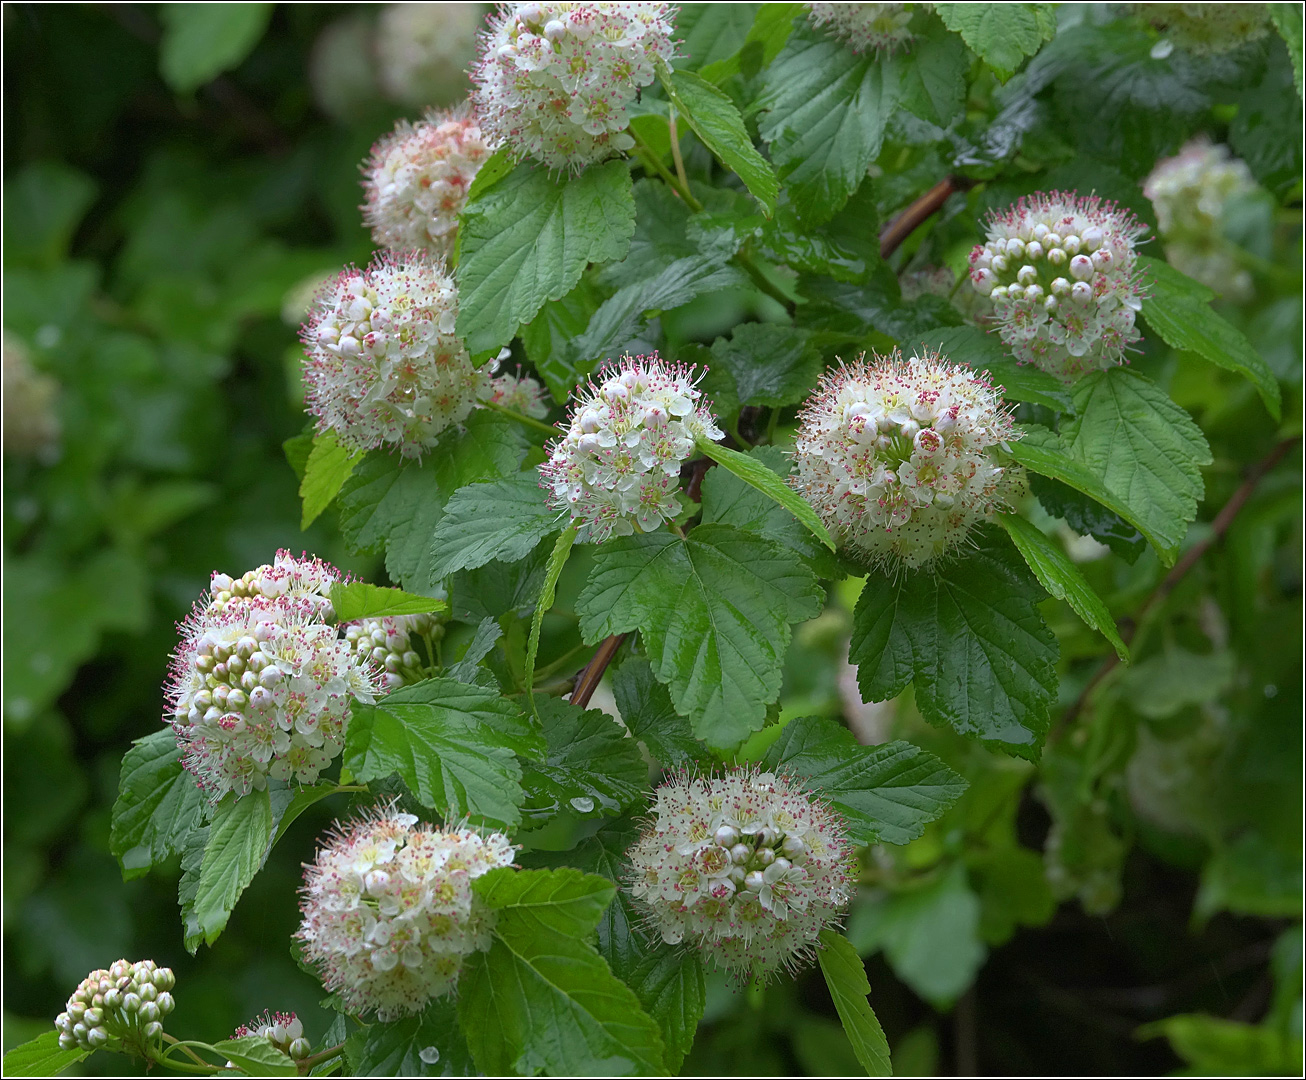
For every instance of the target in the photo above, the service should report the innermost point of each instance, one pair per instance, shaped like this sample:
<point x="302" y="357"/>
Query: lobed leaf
<point x="428" y="1044"/>
<point x="158" y="804"/>
<point x="502" y="519"/>
<point x="1002" y="35"/>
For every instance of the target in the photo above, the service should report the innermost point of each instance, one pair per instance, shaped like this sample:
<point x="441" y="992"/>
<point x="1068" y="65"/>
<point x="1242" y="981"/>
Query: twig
<point x="589" y="678"/>
<point x="907" y="222"/>
<point x="305" y="1064"/>
<point x="675" y="149"/>
<point x="522" y="418"/>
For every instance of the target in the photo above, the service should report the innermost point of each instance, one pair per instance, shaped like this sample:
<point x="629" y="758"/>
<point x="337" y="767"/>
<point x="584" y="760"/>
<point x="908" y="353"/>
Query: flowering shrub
<point x="875" y="28"/>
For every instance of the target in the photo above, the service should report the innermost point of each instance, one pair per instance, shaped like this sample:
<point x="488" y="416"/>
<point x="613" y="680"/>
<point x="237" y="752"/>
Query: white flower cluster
<point x="424" y="50"/>
<point x="1062" y="274"/>
<point x="417" y="178"/>
<point x="895" y="456"/>
<point x="1208" y="28"/>
<point x="617" y="467"/>
<point x="118" y="1008"/>
<point x="386" y="644"/>
<point x="382" y="363"/>
<point x="1190" y="193"/>
<point x="260" y="683"/>
<point x="389" y="914"/>
<point x="519" y="392"/>
<point x="878" y="28"/>
<point x="31" y="426"/>
<point x="285" y="1031"/>
<point x="554" y="80"/>
<point x="746" y="866"/>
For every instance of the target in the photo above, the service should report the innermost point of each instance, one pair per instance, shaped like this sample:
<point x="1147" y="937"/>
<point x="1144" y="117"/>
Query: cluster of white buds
<point x="31" y="426"/>
<point x="554" y="80"/>
<point x="1190" y="193"/>
<point x="1207" y="28"/>
<point x="896" y="456"/>
<point x="389" y="914"/>
<point x="382" y="364"/>
<point x="746" y="866"/>
<point x="387" y="645"/>
<point x="423" y="51"/>
<point x="417" y="178"/>
<point x="260" y="683"/>
<point x="519" y="392"/>
<point x="1062" y="274"/>
<point x="617" y="467"/>
<point x="878" y="28"/>
<point x="121" y="1008"/>
<point x="285" y="1031"/>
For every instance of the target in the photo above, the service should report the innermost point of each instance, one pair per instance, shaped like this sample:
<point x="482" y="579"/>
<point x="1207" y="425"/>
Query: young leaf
<point x="238" y="841"/>
<point x="850" y="990"/>
<point x="41" y="1057"/>
<point x="451" y="743"/>
<point x="359" y="600"/>
<point x="1177" y="308"/>
<point x="646" y="710"/>
<point x="325" y="472"/>
<point x="984" y="352"/>
<point x="428" y="1044"/>
<point x="527" y="238"/>
<point x="756" y="474"/>
<point x="201" y="41"/>
<point x="1001" y="35"/>
<point x="253" y="1054"/>
<point x="886" y="793"/>
<point x="714" y="612"/>
<point x="556" y="562"/>
<point x="1062" y="579"/>
<point x="970" y="637"/>
<point x="158" y="804"/>
<point x="503" y="520"/>
<point x="542" y="999"/>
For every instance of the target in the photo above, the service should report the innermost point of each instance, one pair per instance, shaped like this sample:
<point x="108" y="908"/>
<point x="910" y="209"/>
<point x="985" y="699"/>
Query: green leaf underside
<point x="542" y="998"/>
<point x="527" y="239"/>
<point x="238" y="842"/>
<point x="158" y="804"/>
<point x="885" y="793"/>
<point x="1062" y="579"/>
<point x="985" y="352"/>
<point x="1001" y="35"/>
<point x="590" y="762"/>
<point x="757" y="475"/>
<point x="41" y="1057"/>
<point x="253" y="1054"/>
<point x="714" y="612"/>
<point x="328" y="467"/>
<point x="845" y="975"/>
<point x="396" y="1048"/>
<point x="971" y="639"/>
<point x="500" y="520"/>
<point x="359" y="600"/>
<point x="454" y="745"/>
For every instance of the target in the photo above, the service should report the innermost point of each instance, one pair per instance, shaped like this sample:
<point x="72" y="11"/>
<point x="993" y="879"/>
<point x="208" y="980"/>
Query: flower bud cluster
<point x="386" y="644"/>
<point x="519" y="392"/>
<point x="260" y="683"/>
<point x="382" y="362"/>
<point x="555" y="80"/>
<point x="746" y="866"/>
<point x="1190" y="193"/>
<point x="285" y="1031"/>
<point x="417" y="178"/>
<point x="617" y="467"/>
<point x="423" y="51"/>
<point x="121" y="1008"/>
<point x="878" y="28"/>
<point x="1207" y="28"/>
<point x="896" y="456"/>
<point x="31" y="426"/>
<point x="389" y="914"/>
<point x="1062" y="274"/>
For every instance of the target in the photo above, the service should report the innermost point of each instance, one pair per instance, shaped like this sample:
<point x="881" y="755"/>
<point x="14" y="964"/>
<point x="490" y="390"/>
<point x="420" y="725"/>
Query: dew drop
<point x="583" y="804"/>
<point x="429" y="1055"/>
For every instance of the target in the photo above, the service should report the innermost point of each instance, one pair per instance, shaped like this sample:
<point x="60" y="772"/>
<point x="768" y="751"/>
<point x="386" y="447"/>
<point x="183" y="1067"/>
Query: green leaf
<point x="753" y="472"/>
<point x="765" y="39"/>
<point x="46" y="201"/>
<point x="557" y="561"/>
<point x="359" y="600"/>
<point x="301" y="801"/>
<point x="847" y="247"/>
<point x="1088" y="517"/>
<point x="297" y="448"/>
<point x="1001" y="35"/>
<point x="41" y="1057"/>
<point x="1062" y="579"/>
<point x="850" y="990"/>
<point x="488" y="632"/>
<point x="238" y="842"/>
<point x="717" y="123"/>
<point x="547" y="337"/>
<point x="971" y="639"/>
<point x="451" y="743"/>
<point x="403" y="1047"/>
<point x="984" y="352"/>
<point x="711" y="33"/>
<point x="255" y="1055"/>
<point x="1177" y="308"/>
<point x="591" y="762"/>
<point x="158" y="804"/>
<point x="527" y="239"/>
<point x="499" y="165"/>
<point x="192" y="859"/>
<point x="713" y="610"/>
<point x="201" y="41"/>
<point x="770" y="364"/>
<point x="886" y="793"/>
<point x="1214" y="1046"/>
<point x="1288" y="21"/>
<point x="542" y="999"/>
<point x="646" y="710"/>
<point x="502" y="520"/>
<point x="933" y="76"/>
<point x="328" y="467"/>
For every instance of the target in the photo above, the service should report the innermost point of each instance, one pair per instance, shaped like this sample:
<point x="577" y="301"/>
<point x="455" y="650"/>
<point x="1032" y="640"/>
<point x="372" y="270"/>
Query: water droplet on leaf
<point x="582" y="804"/>
<point x="429" y="1055"/>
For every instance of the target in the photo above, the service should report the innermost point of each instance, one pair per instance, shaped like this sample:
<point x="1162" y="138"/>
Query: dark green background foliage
<point x="1140" y="877"/>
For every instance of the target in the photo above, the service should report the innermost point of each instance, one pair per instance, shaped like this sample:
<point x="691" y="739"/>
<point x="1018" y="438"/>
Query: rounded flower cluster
<point x="387" y="645"/>
<point x="747" y="867"/>
<point x="617" y="467"/>
<point x="285" y="1031"/>
<point x="121" y="1008"/>
<point x="417" y="178"/>
<point x="382" y="363"/>
<point x="1190" y="193"/>
<point x="554" y="80"/>
<point x="30" y="423"/>
<point x="877" y="28"/>
<point x="389" y="914"/>
<point x="424" y="50"/>
<point x="895" y="456"/>
<point x="520" y="393"/>
<point x="1062" y="274"/>
<point x="1208" y="28"/>
<point x="260" y="683"/>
